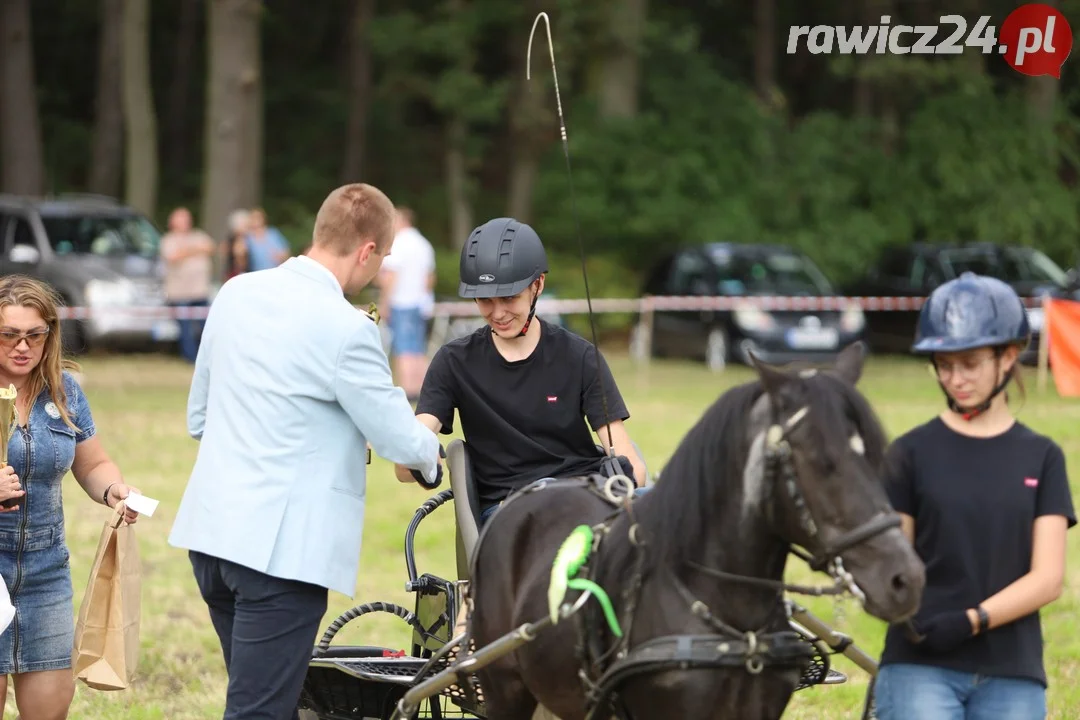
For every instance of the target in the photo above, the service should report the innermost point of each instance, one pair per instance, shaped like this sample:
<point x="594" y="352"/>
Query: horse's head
<point x="823" y="463"/>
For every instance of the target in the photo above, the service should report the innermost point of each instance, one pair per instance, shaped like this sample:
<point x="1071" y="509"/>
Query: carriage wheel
<point x="366" y="608"/>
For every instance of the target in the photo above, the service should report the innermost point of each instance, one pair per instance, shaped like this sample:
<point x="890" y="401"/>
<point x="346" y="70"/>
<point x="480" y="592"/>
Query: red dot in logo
<point x="1036" y="39"/>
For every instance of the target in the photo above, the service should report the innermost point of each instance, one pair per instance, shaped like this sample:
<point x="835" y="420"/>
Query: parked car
<point x="915" y="270"/>
<point x="722" y="336"/>
<point x="96" y="253"/>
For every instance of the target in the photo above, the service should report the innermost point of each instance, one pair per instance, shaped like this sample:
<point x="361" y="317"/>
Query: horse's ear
<point x="849" y="363"/>
<point x="772" y="378"/>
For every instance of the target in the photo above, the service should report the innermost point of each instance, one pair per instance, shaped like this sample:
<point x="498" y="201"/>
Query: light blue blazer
<point x="291" y="384"/>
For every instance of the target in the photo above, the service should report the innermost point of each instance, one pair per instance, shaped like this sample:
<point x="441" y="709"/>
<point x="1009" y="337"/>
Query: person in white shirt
<point x="407" y="283"/>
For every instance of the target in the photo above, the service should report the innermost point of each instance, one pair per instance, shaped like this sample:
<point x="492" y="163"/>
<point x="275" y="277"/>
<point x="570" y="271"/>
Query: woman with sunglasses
<point x="986" y="501"/>
<point x="54" y="432"/>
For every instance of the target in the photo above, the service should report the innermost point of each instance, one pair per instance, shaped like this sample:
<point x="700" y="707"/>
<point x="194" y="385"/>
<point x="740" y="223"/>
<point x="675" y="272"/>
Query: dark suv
<point x="915" y="270"/>
<point x="744" y="271"/>
<point x="97" y="254"/>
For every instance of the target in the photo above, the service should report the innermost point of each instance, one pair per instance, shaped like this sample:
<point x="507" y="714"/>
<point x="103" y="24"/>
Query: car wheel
<point x="716" y="350"/>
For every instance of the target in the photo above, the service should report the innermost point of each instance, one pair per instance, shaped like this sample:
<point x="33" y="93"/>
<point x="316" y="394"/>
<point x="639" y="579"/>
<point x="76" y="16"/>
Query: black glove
<point x="419" y="476"/>
<point x="942" y="632"/>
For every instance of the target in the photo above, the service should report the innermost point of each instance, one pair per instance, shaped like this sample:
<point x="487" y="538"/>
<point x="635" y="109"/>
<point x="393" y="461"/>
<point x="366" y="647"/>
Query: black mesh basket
<point x="351" y="683"/>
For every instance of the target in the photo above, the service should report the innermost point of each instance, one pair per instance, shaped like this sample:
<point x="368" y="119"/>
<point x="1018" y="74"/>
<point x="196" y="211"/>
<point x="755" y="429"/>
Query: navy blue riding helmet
<point x="972" y="311"/>
<point x="501" y="258"/>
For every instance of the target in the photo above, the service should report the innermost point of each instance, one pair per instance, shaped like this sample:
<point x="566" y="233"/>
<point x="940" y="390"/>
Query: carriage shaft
<point x="456" y="673"/>
<point x="837" y="641"/>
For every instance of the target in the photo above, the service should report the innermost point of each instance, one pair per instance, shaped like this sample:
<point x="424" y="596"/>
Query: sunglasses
<point x="34" y="338"/>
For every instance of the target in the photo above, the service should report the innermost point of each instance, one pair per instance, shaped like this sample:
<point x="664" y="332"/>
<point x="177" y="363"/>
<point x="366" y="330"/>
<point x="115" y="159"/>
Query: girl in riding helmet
<point x="986" y="502"/>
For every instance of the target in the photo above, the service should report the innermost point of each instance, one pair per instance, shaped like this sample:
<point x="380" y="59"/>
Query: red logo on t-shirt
<point x="1031" y="482"/>
<point x="552" y="398"/>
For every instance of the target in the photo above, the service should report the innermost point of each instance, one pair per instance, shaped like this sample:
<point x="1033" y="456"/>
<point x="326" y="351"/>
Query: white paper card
<point x="7" y="610"/>
<point x="141" y="504"/>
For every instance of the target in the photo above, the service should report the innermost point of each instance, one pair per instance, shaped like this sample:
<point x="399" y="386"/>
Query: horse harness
<point x="602" y="670"/>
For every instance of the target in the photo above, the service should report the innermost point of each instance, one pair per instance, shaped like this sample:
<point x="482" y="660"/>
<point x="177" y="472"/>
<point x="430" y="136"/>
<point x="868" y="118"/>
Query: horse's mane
<point x="705" y="473"/>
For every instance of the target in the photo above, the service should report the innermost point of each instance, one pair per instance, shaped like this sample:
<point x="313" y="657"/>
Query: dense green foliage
<point x="949" y="151"/>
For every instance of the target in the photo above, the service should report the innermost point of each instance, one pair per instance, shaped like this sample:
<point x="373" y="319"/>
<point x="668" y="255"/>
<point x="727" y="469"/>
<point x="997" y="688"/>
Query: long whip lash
<point x="573" y="204"/>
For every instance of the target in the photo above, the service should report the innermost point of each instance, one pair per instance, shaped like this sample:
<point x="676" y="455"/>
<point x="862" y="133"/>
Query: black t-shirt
<point x="522" y="420"/>
<point x="975" y="501"/>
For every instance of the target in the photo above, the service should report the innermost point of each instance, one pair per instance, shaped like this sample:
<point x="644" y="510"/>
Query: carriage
<point x="434" y="678"/>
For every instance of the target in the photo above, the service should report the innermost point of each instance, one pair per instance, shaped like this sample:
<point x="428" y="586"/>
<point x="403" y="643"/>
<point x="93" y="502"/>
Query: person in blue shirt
<point x="266" y="246"/>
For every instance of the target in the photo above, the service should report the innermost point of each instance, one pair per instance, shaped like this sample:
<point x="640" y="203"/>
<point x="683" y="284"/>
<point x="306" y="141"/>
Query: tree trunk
<point x="457" y="183"/>
<point x="252" y="95"/>
<point x="352" y="167"/>
<point x="177" y="117"/>
<point x="107" y="158"/>
<point x="139" y="120"/>
<point x="1042" y="95"/>
<point x="523" y="170"/>
<point x="23" y="169"/>
<point x="765" y="52"/>
<point x="864" y="13"/>
<point x="620" y="71"/>
<point x="530" y="120"/>
<point x="456" y="158"/>
<point x="233" y="63"/>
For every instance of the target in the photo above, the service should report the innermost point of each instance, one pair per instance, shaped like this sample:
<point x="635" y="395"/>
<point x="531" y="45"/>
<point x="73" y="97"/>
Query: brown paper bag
<point x="106" y="648"/>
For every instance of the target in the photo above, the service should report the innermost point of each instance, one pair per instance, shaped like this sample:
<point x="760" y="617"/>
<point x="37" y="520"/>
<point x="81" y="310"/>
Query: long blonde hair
<point x="20" y="290"/>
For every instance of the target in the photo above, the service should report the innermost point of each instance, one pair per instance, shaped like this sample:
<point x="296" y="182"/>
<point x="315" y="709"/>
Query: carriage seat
<point x="467" y="502"/>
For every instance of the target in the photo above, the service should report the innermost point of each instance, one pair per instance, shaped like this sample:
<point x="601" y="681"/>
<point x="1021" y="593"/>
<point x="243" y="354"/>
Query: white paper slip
<point x="141" y="504"/>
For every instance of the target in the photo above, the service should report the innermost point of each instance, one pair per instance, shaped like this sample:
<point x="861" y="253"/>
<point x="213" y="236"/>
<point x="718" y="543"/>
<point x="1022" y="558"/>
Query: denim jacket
<point x="42" y="454"/>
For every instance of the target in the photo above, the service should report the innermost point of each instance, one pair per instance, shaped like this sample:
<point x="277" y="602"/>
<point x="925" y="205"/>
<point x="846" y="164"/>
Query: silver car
<point x="98" y="254"/>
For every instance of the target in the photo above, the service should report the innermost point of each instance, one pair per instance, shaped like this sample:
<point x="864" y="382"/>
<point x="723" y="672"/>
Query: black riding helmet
<point x="502" y="258"/>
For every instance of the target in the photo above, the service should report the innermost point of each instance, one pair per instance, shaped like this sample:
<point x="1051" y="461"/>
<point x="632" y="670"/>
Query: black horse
<point x="694" y="567"/>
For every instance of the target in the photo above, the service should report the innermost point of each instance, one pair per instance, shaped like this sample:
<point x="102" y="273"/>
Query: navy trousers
<point x="267" y="627"/>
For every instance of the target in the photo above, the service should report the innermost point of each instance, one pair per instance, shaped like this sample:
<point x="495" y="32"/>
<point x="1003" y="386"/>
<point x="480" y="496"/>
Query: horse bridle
<point x="778" y="464"/>
<point x="780" y="470"/>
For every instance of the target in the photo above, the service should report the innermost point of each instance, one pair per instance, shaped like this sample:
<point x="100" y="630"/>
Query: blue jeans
<point x="907" y="691"/>
<point x="190" y="329"/>
<point x="408" y="331"/>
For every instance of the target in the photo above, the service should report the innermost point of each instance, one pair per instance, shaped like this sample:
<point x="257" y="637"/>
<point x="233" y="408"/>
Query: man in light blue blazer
<point x="291" y="384"/>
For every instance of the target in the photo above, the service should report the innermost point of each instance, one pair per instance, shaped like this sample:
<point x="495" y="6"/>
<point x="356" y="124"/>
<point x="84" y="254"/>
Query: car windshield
<point x="104" y="235"/>
<point x="1011" y="265"/>
<point x="768" y="273"/>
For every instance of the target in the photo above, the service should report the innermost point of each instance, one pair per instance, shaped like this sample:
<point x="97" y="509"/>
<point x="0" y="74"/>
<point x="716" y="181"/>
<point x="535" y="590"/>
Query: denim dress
<point x="34" y="559"/>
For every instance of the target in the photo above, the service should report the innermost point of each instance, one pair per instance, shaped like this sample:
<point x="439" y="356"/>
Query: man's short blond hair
<point x="353" y="215"/>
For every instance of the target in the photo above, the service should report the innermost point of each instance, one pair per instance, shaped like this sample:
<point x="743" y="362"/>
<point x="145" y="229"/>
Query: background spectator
<point x="266" y="246"/>
<point x="235" y="248"/>
<point x="407" y="283"/>
<point x="188" y="253"/>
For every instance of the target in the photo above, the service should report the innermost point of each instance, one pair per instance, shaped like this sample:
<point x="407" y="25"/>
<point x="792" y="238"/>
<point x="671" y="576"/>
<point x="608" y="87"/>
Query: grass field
<point x="139" y="402"/>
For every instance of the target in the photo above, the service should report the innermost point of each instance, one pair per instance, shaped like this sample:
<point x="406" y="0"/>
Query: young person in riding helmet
<point x="986" y="502"/>
<point x="523" y="388"/>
